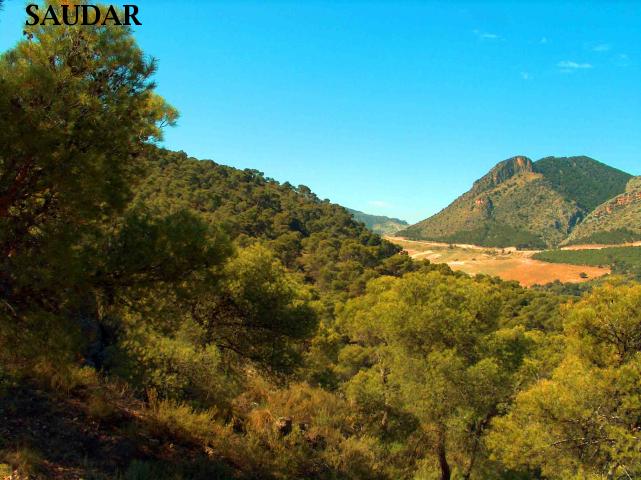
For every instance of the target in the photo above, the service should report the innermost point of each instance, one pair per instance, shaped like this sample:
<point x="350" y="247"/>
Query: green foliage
<point x="173" y="366"/>
<point x="493" y="234"/>
<point x="261" y="311"/>
<point x="607" y="237"/>
<point x="178" y="420"/>
<point x="77" y="110"/>
<point x="582" y="422"/>
<point x="147" y="248"/>
<point x="434" y="347"/>
<point x="621" y="259"/>
<point x="54" y="167"/>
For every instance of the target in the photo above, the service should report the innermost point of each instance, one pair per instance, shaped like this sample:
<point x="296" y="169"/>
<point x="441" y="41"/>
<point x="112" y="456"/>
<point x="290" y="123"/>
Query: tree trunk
<point x="446" y="473"/>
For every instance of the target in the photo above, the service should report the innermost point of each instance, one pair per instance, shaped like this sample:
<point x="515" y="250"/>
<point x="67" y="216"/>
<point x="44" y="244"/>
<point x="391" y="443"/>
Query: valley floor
<point x="506" y="263"/>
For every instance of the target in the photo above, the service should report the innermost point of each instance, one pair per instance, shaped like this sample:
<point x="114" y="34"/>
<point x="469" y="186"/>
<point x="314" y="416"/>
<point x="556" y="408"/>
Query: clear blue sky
<point x="393" y="108"/>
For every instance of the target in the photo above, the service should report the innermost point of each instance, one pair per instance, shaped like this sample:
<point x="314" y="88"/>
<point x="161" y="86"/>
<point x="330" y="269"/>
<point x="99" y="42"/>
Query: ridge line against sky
<point x="392" y="108"/>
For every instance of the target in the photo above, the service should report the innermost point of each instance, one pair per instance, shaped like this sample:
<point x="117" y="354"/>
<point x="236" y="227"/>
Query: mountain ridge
<point x="380" y="224"/>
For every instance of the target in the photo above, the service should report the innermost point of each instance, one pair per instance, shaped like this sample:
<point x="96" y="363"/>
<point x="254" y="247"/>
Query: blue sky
<point x="393" y="108"/>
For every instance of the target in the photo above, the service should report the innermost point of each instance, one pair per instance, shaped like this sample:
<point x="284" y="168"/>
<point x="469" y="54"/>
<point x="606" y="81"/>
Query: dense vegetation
<point x="524" y="203"/>
<point x="621" y="259"/>
<point x="310" y="236"/>
<point x="495" y="234"/>
<point x="163" y="317"/>
<point x="379" y="223"/>
<point x="584" y="180"/>
<point x="616" y="236"/>
<point x="617" y="220"/>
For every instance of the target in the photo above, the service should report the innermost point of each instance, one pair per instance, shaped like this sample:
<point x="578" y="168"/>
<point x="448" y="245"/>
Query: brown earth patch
<point x="507" y="263"/>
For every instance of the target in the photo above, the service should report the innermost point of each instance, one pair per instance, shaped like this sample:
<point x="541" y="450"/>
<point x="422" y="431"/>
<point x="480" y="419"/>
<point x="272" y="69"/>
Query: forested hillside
<point x="524" y="203"/>
<point x="379" y="223"/>
<point x="163" y="317"/>
<point x="617" y="220"/>
<point x="584" y="180"/>
<point x="319" y="239"/>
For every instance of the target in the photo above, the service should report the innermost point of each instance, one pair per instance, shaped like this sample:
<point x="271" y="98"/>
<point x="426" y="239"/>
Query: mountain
<point x="379" y="223"/>
<point x="617" y="220"/>
<point x="524" y="203"/>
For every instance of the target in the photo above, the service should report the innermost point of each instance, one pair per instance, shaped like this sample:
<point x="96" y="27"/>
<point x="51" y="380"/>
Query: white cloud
<point x="379" y="204"/>
<point x="602" y="47"/>
<point x="567" y="66"/>
<point x="486" y="35"/>
<point x="526" y="76"/>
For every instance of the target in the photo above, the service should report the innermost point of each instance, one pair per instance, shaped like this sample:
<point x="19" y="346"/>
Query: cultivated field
<point x="508" y="263"/>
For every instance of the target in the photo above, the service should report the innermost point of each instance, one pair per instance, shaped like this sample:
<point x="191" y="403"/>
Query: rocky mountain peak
<point x="503" y="171"/>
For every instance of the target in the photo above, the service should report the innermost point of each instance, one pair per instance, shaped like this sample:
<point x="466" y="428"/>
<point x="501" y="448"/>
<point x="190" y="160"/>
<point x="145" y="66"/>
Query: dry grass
<point x="24" y="461"/>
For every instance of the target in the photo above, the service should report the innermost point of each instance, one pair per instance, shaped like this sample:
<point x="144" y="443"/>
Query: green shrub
<point x="172" y="419"/>
<point x="610" y="237"/>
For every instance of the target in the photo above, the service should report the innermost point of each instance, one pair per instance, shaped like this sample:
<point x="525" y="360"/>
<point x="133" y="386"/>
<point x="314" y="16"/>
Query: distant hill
<point x="618" y="220"/>
<point x="524" y="203"/>
<point x="379" y="223"/>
